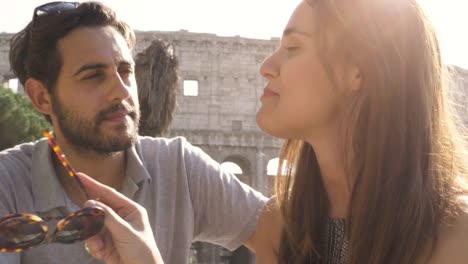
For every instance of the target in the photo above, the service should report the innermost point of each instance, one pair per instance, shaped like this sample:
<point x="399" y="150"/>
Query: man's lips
<point x="116" y="116"/>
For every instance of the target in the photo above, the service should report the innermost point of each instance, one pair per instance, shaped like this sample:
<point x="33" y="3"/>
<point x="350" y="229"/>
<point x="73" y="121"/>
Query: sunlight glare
<point x="449" y="18"/>
<point x="272" y="167"/>
<point x="231" y="167"/>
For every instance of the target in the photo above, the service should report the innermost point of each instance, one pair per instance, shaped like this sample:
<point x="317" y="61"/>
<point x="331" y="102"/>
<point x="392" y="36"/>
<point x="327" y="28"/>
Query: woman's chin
<point x="271" y="128"/>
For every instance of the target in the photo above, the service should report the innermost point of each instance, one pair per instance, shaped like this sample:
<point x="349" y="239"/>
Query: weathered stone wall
<point x="221" y="119"/>
<point x="226" y="69"/>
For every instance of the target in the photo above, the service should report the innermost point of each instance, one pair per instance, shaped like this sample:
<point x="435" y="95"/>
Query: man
<point x="74" y="61"/>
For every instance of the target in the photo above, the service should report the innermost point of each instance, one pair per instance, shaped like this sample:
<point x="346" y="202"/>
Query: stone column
<point x="261" y="171"/>
<point x="259" y="182"/>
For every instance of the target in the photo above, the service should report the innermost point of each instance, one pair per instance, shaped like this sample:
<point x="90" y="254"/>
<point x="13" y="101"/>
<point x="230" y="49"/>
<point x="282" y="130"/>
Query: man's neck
<point x="107" y="169"/>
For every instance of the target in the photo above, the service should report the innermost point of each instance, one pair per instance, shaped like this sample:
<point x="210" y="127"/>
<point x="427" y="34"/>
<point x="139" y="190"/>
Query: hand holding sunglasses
<point x="22" y="231"/>
<point x="128" y="236"/>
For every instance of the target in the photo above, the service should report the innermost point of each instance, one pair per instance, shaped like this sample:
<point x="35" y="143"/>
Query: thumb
<point x="113" y="222"/>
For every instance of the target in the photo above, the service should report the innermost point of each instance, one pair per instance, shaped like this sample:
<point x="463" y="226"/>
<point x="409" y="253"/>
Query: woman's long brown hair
<point x="407" y="166"/>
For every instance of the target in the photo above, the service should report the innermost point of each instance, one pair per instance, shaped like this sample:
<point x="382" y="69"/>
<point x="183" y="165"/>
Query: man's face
<point x="95" y="103"/>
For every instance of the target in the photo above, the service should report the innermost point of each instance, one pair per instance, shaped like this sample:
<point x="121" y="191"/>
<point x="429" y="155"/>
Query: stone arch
<point x="271" y="172"/>
<point x="232" y="167"/>
<point x="245" y="166"/>
<point x="272" y="167"/>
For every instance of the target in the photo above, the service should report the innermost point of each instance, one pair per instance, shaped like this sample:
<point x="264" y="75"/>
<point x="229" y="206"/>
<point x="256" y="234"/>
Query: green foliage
<point x="19" y="121"/>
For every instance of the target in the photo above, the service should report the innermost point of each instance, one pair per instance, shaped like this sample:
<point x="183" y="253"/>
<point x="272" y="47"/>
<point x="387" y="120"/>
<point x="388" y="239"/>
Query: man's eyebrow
<point x="94" y="66"/>
<point x="294" y="30"/>
<point x="91" y="66"/>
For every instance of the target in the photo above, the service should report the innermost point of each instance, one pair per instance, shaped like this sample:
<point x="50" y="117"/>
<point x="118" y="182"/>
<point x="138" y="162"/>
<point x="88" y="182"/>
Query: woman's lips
<point x="268" y="93"/>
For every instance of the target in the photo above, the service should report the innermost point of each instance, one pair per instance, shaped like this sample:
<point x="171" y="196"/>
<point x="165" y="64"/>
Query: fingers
<point x="105" y="194"/>
<point x="114" y="223"/>
<point x="128" y="234"/>
<point x="102" y="247"/>
<point x="95" y="246"/>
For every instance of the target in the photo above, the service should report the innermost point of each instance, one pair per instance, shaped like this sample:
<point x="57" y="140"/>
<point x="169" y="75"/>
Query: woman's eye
<point x="292" y="48"/>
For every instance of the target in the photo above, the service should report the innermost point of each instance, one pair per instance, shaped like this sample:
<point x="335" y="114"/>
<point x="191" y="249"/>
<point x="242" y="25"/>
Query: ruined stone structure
<point x="221" y="119"/>
<point x="5" y="73"/>
<point x="460" y="96"/>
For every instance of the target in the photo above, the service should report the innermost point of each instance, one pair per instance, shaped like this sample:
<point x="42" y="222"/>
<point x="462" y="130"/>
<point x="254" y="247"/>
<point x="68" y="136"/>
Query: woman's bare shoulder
<point x="268" y="233"/>
<point x="452" y="246"/>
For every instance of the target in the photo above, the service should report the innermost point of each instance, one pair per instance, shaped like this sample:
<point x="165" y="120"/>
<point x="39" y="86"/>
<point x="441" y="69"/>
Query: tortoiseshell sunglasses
<point x="22" y="231"/>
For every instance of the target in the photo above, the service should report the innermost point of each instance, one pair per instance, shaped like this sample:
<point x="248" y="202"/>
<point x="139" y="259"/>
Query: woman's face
<point x="299" y="100"/>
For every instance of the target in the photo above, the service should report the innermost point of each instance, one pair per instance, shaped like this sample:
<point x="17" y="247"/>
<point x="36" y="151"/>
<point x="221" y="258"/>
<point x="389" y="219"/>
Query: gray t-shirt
<point x="187" y="195"/>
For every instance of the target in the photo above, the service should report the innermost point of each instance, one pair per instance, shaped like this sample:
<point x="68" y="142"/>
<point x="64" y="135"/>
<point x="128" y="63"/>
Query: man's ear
<point x="39" y="96"/>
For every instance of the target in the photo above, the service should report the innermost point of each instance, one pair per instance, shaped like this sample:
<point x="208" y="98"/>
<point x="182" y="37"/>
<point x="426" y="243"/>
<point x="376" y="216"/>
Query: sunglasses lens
<point x="80" y="226"/>
<point x="55" y="7"/>
<point x="20" y="233"/>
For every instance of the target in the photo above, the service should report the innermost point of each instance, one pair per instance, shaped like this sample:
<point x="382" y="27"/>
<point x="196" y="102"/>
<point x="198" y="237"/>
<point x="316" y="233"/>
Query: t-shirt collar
<point x="48" y="192"/>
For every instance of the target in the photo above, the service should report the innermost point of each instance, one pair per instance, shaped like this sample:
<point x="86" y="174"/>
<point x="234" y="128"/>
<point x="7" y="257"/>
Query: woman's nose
<point x="269" y="68"/>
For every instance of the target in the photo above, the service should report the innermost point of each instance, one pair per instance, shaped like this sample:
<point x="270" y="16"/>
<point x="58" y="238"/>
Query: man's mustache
<point x="128" y="109"/>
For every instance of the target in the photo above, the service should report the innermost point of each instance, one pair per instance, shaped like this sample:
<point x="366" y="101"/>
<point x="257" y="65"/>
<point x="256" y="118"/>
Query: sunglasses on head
<point x="53" y="8"/>
<point x="22" y="231"/>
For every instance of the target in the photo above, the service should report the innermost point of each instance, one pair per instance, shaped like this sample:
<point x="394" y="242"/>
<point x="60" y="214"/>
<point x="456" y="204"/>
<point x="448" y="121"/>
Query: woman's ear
<point x="354" y="78"/>
<point x="39" y="96"/>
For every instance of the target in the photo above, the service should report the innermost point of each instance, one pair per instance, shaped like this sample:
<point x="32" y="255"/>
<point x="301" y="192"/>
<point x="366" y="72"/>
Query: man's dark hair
<point x="33" y="50"/>
<point x="157" y="76"/>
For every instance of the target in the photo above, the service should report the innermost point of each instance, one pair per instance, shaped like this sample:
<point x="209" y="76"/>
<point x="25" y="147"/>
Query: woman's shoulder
<point x="452" y="246"/>
<point x="268" y="233"/>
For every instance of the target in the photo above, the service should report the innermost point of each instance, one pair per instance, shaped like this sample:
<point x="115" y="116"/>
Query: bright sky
<point x="247" y="18"/>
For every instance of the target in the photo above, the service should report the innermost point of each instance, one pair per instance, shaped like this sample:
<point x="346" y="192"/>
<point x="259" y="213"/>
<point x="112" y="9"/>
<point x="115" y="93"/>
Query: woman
<point x="374" y="167"/>
<point x="375" y="171"/>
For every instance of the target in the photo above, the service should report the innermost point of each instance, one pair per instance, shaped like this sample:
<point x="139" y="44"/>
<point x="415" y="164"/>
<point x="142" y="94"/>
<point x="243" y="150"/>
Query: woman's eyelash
<point x="291" y="48"/>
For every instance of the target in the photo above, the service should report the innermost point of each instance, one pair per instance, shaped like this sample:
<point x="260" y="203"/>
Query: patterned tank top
<point x="335" y="242"/>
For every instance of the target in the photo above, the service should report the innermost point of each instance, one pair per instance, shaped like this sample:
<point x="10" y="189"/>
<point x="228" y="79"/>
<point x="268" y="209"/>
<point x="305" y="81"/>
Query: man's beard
<point x="86" y="134"/>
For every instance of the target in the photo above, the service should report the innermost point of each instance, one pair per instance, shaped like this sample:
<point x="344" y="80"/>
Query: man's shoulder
<point x="160" y="146"/>
<point x="160" y="141"/>
<point x="156" y="150"/>
<point x="169" y="153"/>
<point x="17" y="155"/>
<point x="15" y="174"/>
